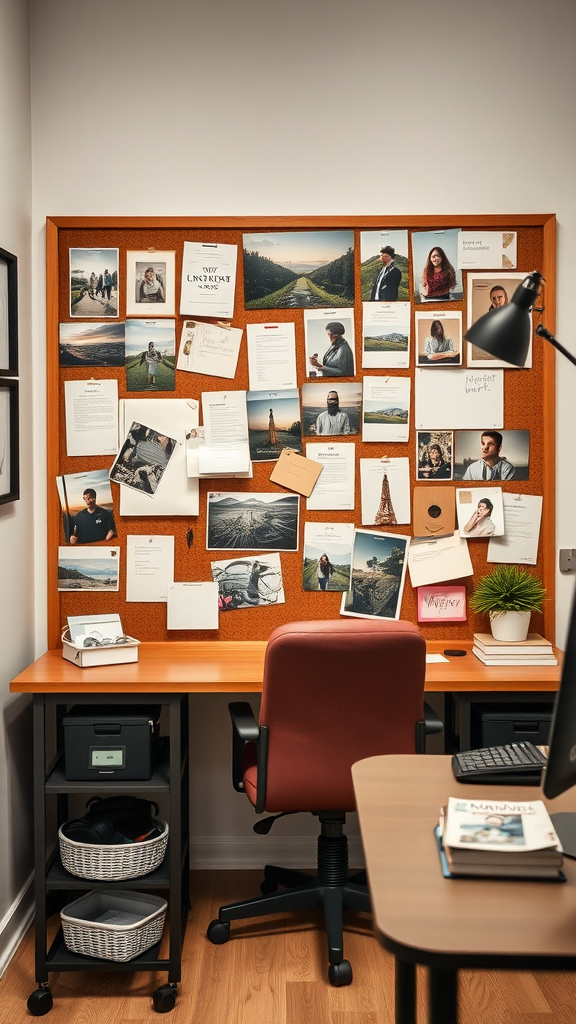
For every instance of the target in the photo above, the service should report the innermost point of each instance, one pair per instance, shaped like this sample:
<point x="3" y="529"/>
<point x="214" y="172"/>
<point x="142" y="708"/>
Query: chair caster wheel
<point x="40" y="1002"/>
<point x="218" y="932"/>
<point x="268" y="887"/>
<point x="340" y="974"/>
<point x="164" y="998"/>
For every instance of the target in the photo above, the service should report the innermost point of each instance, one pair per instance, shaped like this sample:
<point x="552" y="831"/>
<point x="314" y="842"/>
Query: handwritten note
<point x="209" y="348"/>
<point x="452" y="399"/>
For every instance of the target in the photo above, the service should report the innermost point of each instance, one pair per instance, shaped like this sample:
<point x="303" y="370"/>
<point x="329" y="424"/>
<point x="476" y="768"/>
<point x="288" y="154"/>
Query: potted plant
<point x="509" y="594"/>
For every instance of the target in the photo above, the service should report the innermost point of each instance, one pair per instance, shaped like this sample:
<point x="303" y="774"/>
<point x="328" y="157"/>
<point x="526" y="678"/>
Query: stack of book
<point x="498" y="839"/>
<point x="535" y="650"/>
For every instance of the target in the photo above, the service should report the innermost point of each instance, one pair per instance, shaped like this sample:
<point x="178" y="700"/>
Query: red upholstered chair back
<point x="334" y="692"/>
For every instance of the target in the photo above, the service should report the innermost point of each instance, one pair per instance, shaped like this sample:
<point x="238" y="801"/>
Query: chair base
<point x="302" y="892"/>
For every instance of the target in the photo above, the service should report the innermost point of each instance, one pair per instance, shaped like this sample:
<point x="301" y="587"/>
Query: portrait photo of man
<point x="92" y="523"/>
<point x="491" y="455"/>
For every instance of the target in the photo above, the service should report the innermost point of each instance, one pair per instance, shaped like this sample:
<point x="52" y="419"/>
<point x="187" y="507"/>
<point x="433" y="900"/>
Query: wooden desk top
<point x="418" y="913"/>
<point x="219" y="666"/>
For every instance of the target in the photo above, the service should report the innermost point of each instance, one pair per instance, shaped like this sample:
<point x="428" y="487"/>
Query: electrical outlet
<point x="567" y="559"/>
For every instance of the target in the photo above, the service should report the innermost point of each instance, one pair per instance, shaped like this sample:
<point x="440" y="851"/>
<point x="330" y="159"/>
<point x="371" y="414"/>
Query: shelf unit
<point x="53" y="882"/>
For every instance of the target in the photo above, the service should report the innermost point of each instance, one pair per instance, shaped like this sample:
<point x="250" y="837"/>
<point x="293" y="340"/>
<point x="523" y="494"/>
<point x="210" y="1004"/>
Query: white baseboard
<point x="16" y="922"/>
<point x="229" y="852"/>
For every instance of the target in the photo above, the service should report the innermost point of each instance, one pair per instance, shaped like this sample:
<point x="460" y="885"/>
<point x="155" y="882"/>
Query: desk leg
<point x="442" y="996"/>
<point x="405" y="992"/>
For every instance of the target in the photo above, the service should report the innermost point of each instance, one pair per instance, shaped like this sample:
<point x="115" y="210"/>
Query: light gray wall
<point x="16" y="519"/>
<point x="374" y="107"/>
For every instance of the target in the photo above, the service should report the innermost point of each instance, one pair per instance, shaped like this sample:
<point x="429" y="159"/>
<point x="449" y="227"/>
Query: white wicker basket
<point x="113" y="924"/>
<point x="113" y="863"/>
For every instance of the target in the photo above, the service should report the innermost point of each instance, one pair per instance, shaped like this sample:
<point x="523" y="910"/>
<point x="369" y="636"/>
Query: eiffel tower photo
<point x="385" y="515"/>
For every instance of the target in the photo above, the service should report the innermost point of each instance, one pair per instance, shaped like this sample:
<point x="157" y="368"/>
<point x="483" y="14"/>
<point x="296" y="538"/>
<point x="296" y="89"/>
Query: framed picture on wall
<point x="9" y="464"/>
<point x="8" y="313"/>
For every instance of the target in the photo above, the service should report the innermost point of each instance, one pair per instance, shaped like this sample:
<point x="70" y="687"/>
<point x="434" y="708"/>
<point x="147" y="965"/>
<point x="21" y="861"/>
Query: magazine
<point x="508" y="826"/>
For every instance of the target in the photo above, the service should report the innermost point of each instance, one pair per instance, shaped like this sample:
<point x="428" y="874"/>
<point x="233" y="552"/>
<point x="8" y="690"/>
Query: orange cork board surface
<point x="528" y="405"/>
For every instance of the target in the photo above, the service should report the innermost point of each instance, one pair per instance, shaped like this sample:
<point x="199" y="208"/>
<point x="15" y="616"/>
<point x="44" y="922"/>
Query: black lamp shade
<point x="505" y="332"/>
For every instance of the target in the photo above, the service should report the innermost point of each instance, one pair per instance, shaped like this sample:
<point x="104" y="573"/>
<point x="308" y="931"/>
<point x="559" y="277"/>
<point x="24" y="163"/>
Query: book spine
<point x="518" y="660"/>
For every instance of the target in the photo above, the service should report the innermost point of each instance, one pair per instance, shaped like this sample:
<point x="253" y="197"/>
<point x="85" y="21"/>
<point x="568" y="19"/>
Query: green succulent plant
<point x="508" y="588"/>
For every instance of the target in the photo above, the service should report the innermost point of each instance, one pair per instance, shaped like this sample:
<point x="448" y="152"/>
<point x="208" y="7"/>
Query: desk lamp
<point x="505" y="333"/>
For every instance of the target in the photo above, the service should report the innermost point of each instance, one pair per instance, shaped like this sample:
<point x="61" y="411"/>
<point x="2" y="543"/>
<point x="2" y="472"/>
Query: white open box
<point x="105" y="626"/>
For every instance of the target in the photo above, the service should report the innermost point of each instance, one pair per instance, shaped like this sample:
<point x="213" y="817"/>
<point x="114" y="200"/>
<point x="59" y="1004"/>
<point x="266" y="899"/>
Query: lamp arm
<point x="543" y="332"/>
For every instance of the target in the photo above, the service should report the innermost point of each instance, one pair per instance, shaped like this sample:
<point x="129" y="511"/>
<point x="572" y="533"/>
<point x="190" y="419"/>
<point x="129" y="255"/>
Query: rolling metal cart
<point x="56" y="886"/>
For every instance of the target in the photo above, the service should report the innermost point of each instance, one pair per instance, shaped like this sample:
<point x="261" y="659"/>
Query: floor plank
<point x="274" y="971"/>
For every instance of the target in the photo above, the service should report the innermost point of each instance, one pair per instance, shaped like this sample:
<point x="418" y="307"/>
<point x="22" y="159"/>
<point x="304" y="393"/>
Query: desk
<point x="446" y="924"/>
<point x="219" y="666"/>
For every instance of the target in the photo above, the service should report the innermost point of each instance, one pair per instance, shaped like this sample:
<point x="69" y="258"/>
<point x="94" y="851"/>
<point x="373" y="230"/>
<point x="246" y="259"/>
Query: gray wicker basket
<point x="113" y="863"/>
<point x="113" y="924"/>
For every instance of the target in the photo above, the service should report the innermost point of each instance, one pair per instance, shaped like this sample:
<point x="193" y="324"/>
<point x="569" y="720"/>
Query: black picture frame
<point x="9" y="441"/>
<point x="8" y="314"/>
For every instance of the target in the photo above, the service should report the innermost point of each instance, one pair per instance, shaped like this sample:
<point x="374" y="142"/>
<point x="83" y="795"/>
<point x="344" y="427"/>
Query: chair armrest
<point x="245" y="729"/>
<point x="429" y="725"/>
<point x="432" y="723"/>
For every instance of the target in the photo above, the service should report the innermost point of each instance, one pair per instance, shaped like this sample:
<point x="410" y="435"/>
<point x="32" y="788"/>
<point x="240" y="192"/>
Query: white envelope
<point x="177" y="494"/>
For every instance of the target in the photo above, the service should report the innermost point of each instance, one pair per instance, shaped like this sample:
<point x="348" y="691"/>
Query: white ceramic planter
<point x="510" y="626"/>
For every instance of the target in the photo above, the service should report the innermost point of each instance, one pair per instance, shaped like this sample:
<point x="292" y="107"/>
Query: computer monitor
<point x="560" y="772"/>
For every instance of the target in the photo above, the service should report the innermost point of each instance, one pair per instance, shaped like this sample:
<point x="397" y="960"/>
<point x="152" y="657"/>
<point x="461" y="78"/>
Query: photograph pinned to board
<point x="273" y="423"/>
<point x="271" y="356"/>
<point x="491" y="455"/>
<point x="94" y="287"/>
<point x="434" y="454"/>
<point x="486" y="250"/>
<point x="171" y="417"/>
<point x="95" y="344"/>
<point x="386" y="408"/>
<point x="142" y="459"/>
<point x="298" y="269"/>
<point x="480" y="512"/>
<point x="209" y="348"/>
<point x="83" y="570"/>
<point x="334" y="489"/>
<point x="327" y="563"/>
<point x="252" y="522"/>
<point x="435" y="266"/>
<point x="385" y="335"/>
<point x="252" y="582"/>
<point x="330" y="409"/>
<point x="438" y="337"/>
<point x="87" y="507"/>
<point x="442" y="603"/>
<point x="208" y="279"/>
<point x="150" y="355"/>
<point x="519" y="545"/>
<point x="378" y="572"/>
<point x="487" y="292"/>
<point x="150" y="283"/>
<point x="384" y="266"/>
<point x="385" y="489"/>
<point x="470" y="399"/>
<point x="330" y="345"/>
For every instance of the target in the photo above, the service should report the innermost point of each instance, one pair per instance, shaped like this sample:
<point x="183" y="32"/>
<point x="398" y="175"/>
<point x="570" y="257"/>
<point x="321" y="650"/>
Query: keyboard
<point x="511" y="764"/>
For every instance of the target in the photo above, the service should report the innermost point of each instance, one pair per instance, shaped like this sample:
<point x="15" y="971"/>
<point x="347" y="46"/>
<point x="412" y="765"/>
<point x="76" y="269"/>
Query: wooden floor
<point x="274" y="971"/>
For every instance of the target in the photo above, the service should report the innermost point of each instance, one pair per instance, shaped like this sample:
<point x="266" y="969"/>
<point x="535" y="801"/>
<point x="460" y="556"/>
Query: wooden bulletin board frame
<point x="532" y="390"/>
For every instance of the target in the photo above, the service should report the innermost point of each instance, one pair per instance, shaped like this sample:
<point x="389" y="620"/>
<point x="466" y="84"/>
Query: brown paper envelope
<point x="296" y="472"/>
<point x="434" y="511"/>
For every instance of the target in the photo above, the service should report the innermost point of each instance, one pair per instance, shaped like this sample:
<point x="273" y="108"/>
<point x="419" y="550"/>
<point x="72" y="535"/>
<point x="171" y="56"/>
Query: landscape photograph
<point x="377" y="413"/>
<point x="252" y="522"/>
<point x="273" y="423"/>
<point x="378" y="571"/>
<point x="298" y="269"/>
<point x="95" y="344"/>
<point x="80" y="571"/>
<point x="93" y="283"/>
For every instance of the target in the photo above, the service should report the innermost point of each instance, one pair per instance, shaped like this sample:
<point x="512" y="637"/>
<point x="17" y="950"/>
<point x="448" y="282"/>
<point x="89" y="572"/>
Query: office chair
<point x="334" y="692"/>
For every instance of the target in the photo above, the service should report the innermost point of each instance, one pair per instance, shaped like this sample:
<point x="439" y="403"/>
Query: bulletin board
<point x="529" y="403"/>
